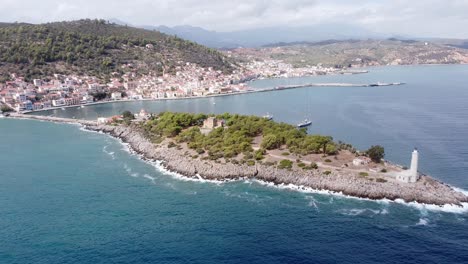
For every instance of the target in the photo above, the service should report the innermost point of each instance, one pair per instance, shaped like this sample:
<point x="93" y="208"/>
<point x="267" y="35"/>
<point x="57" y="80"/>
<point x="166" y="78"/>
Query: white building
<point x="37" y="82"/>
<point x="102" y="120"/>
<point x="116" y="96"/>
<point x="59" y="102"/>
<point x="411" y="175"/>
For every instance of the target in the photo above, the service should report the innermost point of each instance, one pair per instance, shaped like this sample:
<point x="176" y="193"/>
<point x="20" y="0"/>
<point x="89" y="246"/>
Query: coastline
<point x="427" y="191"/>
<point x="271" y="89"/>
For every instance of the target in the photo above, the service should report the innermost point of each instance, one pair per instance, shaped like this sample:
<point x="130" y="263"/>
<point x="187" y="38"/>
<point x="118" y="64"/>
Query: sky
<point x="416" y="18"/>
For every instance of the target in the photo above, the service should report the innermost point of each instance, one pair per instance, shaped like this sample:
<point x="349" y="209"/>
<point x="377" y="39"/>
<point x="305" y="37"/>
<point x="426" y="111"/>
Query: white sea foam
<point x="312" y="202"/>
<point x="158" y="165"/>
<point x="152" y="179"/>
<point x="356" y="212"/>
<point x="447" y="208"/>
<point x="110" y="153"/>
<point x="130" y="171"/>
<point x="423" y="222"/>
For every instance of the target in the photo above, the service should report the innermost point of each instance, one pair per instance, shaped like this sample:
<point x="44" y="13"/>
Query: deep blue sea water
<point x="71" y="196"/>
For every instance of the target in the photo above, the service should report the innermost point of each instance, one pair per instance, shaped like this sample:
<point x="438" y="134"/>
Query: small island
<point x="233" y="147"/>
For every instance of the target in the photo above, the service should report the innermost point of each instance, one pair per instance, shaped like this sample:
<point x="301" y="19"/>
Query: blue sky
<point x="424" y="18"/>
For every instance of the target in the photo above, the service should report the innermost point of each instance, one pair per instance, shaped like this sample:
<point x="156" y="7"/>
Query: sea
<point x="72" y="196"/>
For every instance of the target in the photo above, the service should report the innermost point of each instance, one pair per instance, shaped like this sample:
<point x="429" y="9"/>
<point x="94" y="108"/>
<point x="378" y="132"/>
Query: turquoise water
<point x="71" y="196"/>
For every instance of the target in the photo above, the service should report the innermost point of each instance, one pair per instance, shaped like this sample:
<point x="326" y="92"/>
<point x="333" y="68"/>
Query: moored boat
<point x="268" y="116"/>
<point x="304" y="123"/>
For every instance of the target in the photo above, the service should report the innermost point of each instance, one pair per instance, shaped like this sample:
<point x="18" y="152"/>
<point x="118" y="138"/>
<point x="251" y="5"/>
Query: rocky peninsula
<point x="332" y="175"/>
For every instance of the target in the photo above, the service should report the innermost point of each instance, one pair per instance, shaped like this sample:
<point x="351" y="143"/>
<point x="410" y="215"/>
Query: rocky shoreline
<point x="426" y="191"/>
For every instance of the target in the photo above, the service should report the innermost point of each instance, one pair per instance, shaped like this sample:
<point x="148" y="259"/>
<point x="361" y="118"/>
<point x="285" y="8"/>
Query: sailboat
<point x="304" y="123"/>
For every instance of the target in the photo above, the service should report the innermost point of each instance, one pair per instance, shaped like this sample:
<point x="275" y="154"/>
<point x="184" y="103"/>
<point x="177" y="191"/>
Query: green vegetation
<point x="236" y="138"/>
<point x="250" y="163"/>
<point x="328" y="160"/>
<point x="327" y="172"/>
<point x="376" y="153"/>
<point x="285" y="164"/>
<point x="345" y="53"/>
<point x="5" y="108"/>
<point x="96" y="48"/>
<point x="128" y="115"/>
<point x="312" y="166"/>
<point x="259" y="154"/>
<point x="363" y="174"/>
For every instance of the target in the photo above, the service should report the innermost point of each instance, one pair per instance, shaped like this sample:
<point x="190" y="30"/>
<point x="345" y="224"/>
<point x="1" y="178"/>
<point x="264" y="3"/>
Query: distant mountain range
<point x="285" y="35"/>
<point x="265" y="36"/>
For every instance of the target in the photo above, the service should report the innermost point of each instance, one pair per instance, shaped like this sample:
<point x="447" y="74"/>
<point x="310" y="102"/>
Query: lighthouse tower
<point x="410" y="175"/>
<point x="413" y="176"/>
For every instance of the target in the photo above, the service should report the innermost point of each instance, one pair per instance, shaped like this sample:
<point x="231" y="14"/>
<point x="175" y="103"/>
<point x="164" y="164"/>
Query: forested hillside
<point x="96" y="48"/>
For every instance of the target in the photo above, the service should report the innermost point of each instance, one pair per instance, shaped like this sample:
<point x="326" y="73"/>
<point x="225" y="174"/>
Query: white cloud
<point x="445" y="18"/>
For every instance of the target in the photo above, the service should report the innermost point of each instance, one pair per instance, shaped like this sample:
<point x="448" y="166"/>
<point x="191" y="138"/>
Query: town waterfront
<point x="71" y="196"/>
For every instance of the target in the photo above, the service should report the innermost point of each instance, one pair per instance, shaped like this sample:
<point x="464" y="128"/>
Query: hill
<point x="96" y="48"/>
<point x="343" y="53"/>
<point x="263" y="36"/>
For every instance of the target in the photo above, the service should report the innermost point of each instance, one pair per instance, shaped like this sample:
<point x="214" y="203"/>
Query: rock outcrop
<point x="427" y="190"/>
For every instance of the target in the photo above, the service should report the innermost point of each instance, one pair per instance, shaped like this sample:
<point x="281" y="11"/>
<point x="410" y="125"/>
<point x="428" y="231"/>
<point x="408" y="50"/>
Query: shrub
<point x="327" y="172"/>
<point x="250" y="163"/>
<point x="285" y="164"/>
<point x="328" y="160"/>
<point x="259" y="154"/>
<point x="195" y="157"/>
<point x="380" y="180"/>
<point x="285" y="153"/>
<point x="312" y="166"/>
<point x="248" y="155"/>
<point x="269" y="163"/>
<point x="5" y="108"/>
<point x="363" y="174"/>
<point x="383" y="170"/>
<point x="200" y="151"/>
<point x="234" y="161"/>
<point x="171" y="144"/>
<point x="301" y="165"/>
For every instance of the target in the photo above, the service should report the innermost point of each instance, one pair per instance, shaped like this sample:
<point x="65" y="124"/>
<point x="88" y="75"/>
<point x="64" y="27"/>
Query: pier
<point x="54" y="119"/>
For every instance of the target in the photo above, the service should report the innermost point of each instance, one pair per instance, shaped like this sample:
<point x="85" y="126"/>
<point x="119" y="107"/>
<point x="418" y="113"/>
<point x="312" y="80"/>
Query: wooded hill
<point x="96" y="48"/>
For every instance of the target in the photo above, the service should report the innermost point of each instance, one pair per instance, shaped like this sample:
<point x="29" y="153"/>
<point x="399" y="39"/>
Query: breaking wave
<point x="448" y="208"/>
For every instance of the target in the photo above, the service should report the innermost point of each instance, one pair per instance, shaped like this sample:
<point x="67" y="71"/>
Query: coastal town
<point x="189" y="80"/>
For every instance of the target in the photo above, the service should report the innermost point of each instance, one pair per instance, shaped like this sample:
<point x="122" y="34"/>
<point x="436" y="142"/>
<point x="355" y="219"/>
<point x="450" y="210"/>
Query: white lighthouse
<point x="414" y="166"/>
<point x="411" y="175"/>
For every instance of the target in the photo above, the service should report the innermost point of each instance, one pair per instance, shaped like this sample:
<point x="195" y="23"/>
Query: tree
<point x="128" y="115"/>
<point x="376" y="153"/>
<point x="271" y="142"/>
<point x="5" y="108"/>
